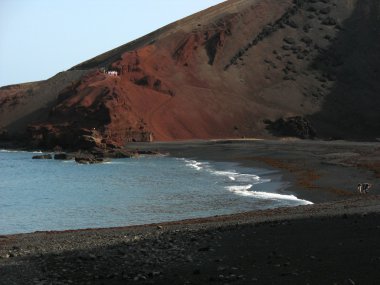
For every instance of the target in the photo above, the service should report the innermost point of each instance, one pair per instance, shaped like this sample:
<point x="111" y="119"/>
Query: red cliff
<point x="252" y="68"/>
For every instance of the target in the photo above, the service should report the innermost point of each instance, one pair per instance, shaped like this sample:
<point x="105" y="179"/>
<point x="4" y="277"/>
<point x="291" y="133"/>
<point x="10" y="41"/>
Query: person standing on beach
<point x="360" y="188"/>
<point x="366" y="187"/>
<point x="363" y="188"/>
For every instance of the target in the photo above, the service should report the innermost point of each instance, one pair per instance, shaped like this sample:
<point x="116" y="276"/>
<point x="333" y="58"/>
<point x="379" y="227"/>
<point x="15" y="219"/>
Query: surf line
<point x="247" y="181"/>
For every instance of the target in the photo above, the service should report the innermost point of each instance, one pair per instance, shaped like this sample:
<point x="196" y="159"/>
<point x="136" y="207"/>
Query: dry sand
<point x="334" y="241"/>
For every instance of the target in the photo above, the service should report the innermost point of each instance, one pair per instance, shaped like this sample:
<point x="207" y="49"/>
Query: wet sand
<point x="334" y="241"/>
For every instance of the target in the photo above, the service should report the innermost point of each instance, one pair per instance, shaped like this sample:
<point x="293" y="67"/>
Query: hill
<point x="243" y="68"/>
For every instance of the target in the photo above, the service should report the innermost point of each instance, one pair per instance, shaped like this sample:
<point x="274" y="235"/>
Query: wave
<point x="19" y="151"/>
<point x="230" y="174"/>
<point x="195" y="164"/>
<point x="244" y="191"/>
<point x="239" y="188"/>
<point x="8" y="151"/>
<point x="246" y="182"/>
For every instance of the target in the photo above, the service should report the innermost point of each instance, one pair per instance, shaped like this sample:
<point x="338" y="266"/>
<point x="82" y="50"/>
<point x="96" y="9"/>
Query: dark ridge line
<point x="266" y="31"/>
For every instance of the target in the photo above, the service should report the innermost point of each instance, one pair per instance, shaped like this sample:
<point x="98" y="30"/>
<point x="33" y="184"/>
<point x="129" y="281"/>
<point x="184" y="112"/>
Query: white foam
<point x="246" y="180"/>
<point x="225" y="173"/>
<point x="232" y="175"/>
<point x="244" y="191"/>
<point x="19" y="151"/>
<point x="241" y="177"/>
<point x="249" y="177"/>
<point x="239" y="188"/>
<point x="6" y="150"/>
<point x="195" y="164"/>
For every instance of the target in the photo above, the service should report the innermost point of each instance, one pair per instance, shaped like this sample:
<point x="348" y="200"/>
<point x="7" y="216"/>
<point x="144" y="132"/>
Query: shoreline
<point x="333" y="241"/>
<point x="313" y="168"/>
<point x="231" y="187"/>
<point x="305" y="182"/>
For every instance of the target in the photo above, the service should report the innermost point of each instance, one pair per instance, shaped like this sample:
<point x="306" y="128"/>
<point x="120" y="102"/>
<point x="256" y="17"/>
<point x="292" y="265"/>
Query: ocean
<point x="45" y="195"/>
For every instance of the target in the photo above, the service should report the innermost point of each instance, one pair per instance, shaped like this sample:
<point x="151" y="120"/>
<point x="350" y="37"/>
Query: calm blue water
<point x="56" y="195"/>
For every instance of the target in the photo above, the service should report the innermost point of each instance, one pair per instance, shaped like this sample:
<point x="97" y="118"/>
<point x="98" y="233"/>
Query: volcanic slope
<point x="252" y="68"/>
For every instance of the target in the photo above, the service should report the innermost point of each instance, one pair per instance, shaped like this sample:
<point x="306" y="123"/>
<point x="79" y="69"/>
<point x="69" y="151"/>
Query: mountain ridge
<point x="243" y="68"/>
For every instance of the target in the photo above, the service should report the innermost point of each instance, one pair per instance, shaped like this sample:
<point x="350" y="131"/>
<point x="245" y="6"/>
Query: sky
<point x="39" y="38"/>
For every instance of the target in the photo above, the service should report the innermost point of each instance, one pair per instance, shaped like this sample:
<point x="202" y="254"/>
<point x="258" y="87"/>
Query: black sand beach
<point x="319" y="171"/>
<point x="334" y="241"/>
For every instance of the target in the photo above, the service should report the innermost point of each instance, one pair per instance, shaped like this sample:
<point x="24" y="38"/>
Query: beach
<point x="333" y="241"/>
<point x="318" y="171"/>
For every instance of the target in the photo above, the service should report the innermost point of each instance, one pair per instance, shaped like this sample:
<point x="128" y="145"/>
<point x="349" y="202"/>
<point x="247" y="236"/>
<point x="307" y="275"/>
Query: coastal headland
<point x="334" y="241"/>
<point x="282" y="71"/>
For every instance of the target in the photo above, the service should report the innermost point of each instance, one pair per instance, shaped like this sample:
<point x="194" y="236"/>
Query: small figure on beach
<point x="363" y="188"/>
<point x="360" y="188"/>
<point x="366" y="187"/>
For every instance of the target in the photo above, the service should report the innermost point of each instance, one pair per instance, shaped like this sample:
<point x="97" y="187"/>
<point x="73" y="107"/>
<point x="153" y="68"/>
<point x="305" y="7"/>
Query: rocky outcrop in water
<point x="43" y="156"/>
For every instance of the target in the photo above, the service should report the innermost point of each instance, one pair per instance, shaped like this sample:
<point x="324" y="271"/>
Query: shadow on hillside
<point x="352" y="108"/>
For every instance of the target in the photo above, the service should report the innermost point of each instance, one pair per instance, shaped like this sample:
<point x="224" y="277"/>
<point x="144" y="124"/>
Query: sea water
<point x="44" y="195"/>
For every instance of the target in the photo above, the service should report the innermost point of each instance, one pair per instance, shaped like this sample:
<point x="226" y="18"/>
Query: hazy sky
<point x="39" y="38"/>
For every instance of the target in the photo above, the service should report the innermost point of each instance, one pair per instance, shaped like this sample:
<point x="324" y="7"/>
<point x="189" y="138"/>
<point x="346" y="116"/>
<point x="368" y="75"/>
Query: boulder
<point x="120" y="153"/>
<point x="43" y="156"/>
<point x="85" y="158"/>
<point x="62" y="156"/>
<point x="289" y="40"/>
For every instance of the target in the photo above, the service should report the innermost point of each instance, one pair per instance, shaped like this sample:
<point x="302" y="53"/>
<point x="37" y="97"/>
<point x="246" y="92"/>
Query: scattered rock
<point x="329" y="21"/>
<point x="325" y="10"/>
<point x="307" y="40"/>
<point x="306" y="28"/>
<point x="289" y="40"/>
<point x="292" y="24"/>
<point x="294" y="127"/>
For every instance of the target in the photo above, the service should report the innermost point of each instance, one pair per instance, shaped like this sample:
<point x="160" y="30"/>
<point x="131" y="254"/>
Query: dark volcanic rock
<point x="119" y="153"/>
<point x="294" y="127"/>
<point x="62" y="156"/>
<point x="43" y="156"/>
<point x="289" y="40"/>
<point x="84" y="158"/>
<point x="329" y="21"/>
